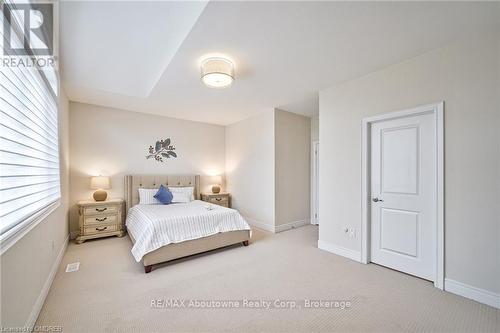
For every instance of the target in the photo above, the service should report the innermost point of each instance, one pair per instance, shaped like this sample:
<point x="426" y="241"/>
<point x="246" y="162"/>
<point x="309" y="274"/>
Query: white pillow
<point x="146" y="196"/>
<point x="182" y="194"/>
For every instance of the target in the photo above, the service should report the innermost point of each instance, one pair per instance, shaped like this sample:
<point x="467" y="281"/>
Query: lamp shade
<point x="215" y="180"/>
<point x="99" y="183"/>
<point x="217" y="72"/>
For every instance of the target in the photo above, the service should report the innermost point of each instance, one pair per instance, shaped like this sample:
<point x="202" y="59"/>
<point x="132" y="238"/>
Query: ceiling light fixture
<point x="217" y="72"/>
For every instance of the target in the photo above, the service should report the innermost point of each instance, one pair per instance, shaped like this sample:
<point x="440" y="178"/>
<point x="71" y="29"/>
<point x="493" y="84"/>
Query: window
<point x="29" y="145"/>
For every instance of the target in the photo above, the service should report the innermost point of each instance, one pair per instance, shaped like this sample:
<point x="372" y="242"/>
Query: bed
<point x="161" y="233"/>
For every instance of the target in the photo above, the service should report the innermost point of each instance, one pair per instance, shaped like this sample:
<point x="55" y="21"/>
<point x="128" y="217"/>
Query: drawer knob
<point x="218" y="199"/>
<point x="101" y="220"/>
<point x="101" y="228"/>
<point x="101" y="209"/>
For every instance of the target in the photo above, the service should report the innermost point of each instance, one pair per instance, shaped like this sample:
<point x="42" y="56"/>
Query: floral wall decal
<point x="162" y="149"/>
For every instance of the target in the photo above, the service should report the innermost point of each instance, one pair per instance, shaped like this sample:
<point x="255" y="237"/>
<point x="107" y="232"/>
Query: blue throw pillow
<point x="164" y="195"/>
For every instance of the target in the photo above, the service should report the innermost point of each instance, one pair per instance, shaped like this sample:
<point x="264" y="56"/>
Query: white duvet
<point x="154" y="226"/>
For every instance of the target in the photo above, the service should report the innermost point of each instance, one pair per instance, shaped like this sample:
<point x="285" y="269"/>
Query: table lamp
<point x="100" y="184"/>
<point x="216" y="182"/>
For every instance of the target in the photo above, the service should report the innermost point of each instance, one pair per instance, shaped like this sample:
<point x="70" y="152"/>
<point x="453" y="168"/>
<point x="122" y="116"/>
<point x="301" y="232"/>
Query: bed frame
<point x="187" y="248"/>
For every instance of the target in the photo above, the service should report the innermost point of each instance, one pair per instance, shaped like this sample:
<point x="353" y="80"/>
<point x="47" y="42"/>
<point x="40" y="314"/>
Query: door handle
<point x="377" y="200"/>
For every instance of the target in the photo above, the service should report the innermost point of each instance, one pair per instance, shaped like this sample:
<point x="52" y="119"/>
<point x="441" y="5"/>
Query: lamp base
<point x="215" y="189"/>
<point x="100" y="195"/>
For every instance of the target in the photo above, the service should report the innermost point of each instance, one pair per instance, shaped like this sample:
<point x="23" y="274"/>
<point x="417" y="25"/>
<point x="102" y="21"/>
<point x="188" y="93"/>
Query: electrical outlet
<point x="350" y="232"/>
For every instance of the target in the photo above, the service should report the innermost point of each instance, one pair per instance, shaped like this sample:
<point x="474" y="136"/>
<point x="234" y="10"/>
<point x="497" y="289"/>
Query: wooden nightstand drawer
<point x="100" y="229"/>
<point x="99" y="219"/>
<point x="100" y="210"/>
<point x="221" y="199"/>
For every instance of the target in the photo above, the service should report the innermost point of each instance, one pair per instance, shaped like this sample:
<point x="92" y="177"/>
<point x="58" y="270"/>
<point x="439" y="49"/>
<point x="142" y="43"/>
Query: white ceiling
<point x="308" y="107"/>
<point x="122" y="47"/>
<point x="145" y="56"/>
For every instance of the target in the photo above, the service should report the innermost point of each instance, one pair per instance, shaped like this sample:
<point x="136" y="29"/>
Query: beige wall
<point x="115" y="142"/>
<point x="292" y="162"/>
<point x="268" y="168"/>
<point x="250" y="167"/>
<point x="315" y="128"/>
<point x="466" y="76"/>
<point x="26" y="266"/>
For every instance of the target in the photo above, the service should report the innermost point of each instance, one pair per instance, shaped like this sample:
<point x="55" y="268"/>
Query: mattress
<point x="154" y="226"/>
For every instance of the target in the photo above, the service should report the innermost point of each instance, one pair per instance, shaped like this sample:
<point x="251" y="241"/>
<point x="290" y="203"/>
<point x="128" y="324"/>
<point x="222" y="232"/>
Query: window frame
<point x="9" y="238"/>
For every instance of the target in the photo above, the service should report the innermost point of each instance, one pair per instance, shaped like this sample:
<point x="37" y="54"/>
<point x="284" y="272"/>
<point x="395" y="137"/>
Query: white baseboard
<point x="477" y="294"/>
<point x="291" y="225"/>
<point x="46" y="287"/>
<point x="278" y="228"/>
<point x="339" y="250"/>
<point x="260" y="225"/>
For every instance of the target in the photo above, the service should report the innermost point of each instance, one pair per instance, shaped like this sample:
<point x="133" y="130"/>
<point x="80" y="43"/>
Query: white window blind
<point x="29" y="147"/>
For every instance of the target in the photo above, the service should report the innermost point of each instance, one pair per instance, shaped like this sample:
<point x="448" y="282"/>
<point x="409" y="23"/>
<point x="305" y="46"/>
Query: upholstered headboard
<point x="134" y="182"/>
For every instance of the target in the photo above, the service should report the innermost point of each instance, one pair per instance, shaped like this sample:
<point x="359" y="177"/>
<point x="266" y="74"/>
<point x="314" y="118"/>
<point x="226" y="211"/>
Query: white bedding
<point x="154" y="226"/>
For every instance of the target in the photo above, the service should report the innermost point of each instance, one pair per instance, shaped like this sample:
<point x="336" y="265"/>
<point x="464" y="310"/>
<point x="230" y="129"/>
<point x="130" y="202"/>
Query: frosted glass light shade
<point x="217" y="72"/>
<point x="99" y="183"/>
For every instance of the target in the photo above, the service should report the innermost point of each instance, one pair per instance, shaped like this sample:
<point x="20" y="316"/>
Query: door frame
<point x="437" y="110"/>
<point x="314" y="167"/>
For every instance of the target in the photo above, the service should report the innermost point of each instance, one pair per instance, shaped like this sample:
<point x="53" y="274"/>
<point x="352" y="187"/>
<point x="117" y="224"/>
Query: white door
<point x="403" y="224"/>
<point x="315" y="184"/>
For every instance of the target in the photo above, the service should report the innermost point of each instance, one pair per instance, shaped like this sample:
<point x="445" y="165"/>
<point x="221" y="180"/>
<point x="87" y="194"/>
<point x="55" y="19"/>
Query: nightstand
<point x="221" y="199"/>
<point x="100" y="219"/>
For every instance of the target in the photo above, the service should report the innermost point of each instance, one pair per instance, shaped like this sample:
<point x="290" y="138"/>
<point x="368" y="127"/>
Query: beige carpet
<point x="111" y="293"/>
